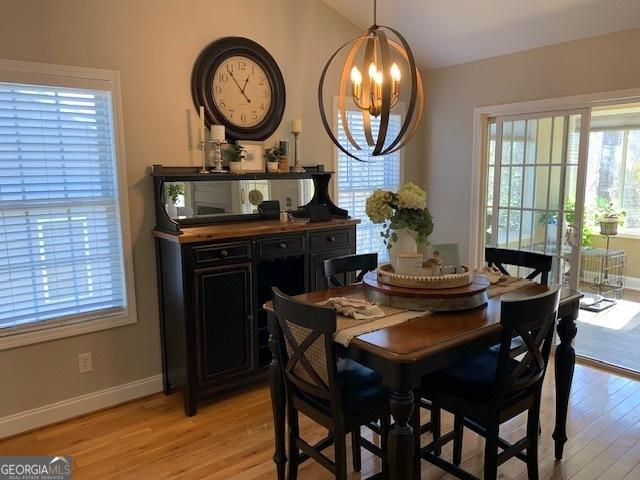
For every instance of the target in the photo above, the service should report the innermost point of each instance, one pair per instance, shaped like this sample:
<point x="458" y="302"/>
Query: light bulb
<point x="395" y="72"/>
<point x="356" y="76"/>
<point x="372" y="70"/>
<point x="378" y="77"/>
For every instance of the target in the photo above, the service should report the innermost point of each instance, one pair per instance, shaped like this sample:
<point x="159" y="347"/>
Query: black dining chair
<point x="350" y="267"/>
<point x="492" y="387"/>
<point x="538" y="262"/>
<point x="339" y="394"/>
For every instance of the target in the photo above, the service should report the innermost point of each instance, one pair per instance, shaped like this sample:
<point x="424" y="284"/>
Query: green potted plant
<point x="272" y="156"/>
<point x="234" y="154"/>
<point x="407" y="218"/>
<point x="173" y="191"/>
<point x="608" y="217"/>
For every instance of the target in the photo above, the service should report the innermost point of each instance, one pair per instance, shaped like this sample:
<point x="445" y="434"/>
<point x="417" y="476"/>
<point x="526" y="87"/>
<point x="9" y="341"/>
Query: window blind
<point x="357" y="180"/>
<point x="61" y="253"/>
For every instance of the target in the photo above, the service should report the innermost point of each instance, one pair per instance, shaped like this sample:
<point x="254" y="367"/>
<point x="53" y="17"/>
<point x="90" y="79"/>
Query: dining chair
<point x="354" y="266"/>
<point x="339" y="394"/>
<point x="492" y="387"/>
<point x="539" y="262"/>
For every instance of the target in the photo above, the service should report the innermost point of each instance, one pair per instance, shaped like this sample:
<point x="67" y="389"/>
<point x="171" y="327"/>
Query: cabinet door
<point x="316" y="261"/>
<point x="224" y="318"/>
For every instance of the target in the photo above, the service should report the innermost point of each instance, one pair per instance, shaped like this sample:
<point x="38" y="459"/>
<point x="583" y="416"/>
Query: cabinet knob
<point x="283" y="245"/>
<point x="224" y="253"/>
<point x="331" y="239"/>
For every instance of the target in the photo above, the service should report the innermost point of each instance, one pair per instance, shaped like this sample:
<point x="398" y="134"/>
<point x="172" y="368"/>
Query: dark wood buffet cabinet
<point x="213" y="280"/>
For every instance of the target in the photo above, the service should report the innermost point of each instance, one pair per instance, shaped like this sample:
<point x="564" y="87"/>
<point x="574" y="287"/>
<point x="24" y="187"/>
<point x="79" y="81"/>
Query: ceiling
<point x="448" y="32"/>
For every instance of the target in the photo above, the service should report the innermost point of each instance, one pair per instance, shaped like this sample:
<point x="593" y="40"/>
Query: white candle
<point x="296" y="125"/>
<point x="201" y="124"/>
<point x="217" y="133"/>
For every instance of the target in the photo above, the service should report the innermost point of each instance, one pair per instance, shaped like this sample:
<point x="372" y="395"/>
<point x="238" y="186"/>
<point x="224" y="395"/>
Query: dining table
<point x="402" y="354"/>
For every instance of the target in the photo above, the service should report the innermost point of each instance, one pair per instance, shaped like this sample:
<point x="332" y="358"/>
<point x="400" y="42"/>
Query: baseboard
<point x="632" y="283"/>
<point x="74" y="407"/>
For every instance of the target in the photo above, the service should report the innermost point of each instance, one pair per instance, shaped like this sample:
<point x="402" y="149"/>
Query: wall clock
<point x="240" y="86"/>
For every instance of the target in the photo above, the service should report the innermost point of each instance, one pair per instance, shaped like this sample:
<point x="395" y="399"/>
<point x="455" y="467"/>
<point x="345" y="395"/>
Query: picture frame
<point x="254" y="159"/>
<point x="449" y="255"/>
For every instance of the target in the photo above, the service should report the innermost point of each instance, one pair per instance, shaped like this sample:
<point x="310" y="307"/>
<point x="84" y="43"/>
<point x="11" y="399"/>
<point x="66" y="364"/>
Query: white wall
<point x="598" y="64"/>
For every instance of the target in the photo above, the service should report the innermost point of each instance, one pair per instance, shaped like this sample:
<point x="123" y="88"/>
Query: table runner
<point x="347" y="327"/>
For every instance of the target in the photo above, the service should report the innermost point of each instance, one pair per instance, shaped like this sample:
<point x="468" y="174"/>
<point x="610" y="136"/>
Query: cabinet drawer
<point x="330" y="239"/>
<point x="281" y="246"/>
<point x="218" y="253"/>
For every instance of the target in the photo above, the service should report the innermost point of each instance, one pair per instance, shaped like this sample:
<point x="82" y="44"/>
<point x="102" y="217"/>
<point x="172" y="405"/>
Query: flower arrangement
<point x="407" y="208"/>
<point x="273" y="154"/>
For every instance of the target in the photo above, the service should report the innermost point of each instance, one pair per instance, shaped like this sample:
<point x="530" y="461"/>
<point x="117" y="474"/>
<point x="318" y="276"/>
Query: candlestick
<point x="296" y="125"/>
<point x="217" y="159"/>
<point x="297" y="167"/>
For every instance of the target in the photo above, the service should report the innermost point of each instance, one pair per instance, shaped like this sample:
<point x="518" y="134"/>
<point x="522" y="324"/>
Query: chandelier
<point x="377" y="91"/>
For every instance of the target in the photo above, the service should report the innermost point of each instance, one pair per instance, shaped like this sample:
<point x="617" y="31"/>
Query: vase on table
<point x="405" y="242"/>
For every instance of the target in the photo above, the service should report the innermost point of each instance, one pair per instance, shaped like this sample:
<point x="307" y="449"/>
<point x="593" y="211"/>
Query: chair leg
<point x="355" y="450"/>
<point x="491" y="452"/>
<point x="340" y="445"/>
<point x="533" y="426"/>
<point x="384" y="432"/>
<point x="294" y="433"/>
<point x="436" y="422"/>
<point x="458" y="431"/>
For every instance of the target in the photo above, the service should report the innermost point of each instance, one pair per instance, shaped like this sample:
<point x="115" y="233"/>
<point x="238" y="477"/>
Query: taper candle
<point x="201" y="124"/>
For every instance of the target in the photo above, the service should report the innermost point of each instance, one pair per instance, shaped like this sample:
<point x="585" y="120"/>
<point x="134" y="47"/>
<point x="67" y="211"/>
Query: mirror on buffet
<point x="184" y="200"/>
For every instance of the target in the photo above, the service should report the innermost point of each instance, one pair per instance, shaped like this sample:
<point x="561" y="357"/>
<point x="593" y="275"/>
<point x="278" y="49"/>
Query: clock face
<point x="241" y="91"/>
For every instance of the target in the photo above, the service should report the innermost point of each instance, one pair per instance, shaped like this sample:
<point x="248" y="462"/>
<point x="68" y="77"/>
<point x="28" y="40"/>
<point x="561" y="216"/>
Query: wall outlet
<point x="85" y="363"/>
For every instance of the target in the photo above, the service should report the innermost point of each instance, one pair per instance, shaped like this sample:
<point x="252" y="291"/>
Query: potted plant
<point x="272" y="156"/>
<point x="172" y="191"/>
<point x="234" y="154"/>
<point x="407" y="220"/>
<point x="608" y="217"/>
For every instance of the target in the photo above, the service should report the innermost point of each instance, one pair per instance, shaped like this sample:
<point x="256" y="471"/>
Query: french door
<point x="535" y="171"/>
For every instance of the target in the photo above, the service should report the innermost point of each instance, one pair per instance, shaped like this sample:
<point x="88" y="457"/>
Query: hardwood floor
<point x="231" y="438"/>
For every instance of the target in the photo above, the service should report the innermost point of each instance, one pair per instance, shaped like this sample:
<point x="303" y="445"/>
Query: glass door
<point x="536" y="168"/>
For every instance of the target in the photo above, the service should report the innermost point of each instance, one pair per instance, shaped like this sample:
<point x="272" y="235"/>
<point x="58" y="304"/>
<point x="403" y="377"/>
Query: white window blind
<point x="61" y="257"/>
<point x="357" y="180"/>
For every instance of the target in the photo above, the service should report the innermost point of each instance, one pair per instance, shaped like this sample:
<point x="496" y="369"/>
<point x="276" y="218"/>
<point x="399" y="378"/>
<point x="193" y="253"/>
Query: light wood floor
<point x="231" y="438"/>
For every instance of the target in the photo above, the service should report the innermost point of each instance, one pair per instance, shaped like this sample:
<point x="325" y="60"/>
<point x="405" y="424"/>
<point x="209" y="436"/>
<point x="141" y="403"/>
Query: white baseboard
<point x="74" y="407"/>
<point x="632" y="283"/>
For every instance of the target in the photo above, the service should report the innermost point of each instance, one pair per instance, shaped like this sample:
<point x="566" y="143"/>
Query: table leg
<point x="565" y="365"/>
<point x="401" y="448"/>
<point x="277" y="401"/>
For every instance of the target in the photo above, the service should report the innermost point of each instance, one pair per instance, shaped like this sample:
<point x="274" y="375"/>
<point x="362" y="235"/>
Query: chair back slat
<point x="540" y="263"/>
<point x="346" y="264"/>
<point x="533" y="319"/>
<point x="305" y="343"/>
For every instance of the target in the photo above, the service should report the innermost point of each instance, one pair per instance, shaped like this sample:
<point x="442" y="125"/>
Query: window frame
<point x="399" y="108"/>
<point x="623" y="232"/>
<point x="14" y="71"/>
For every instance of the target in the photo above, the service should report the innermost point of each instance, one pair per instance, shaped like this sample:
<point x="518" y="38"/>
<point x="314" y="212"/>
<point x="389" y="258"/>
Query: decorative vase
<point x="405" y="243"/>
<point x="171" y="209"/>
<point x="235" y="167"/>
<point x="283" y="167"/>
<point x="272" y="167"/>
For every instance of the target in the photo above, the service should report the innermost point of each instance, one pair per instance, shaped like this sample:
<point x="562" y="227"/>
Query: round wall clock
<point x="240" y="86"/>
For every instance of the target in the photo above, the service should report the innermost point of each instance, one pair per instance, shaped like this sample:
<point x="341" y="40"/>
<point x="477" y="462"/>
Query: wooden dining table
<point x="404" y="353"/>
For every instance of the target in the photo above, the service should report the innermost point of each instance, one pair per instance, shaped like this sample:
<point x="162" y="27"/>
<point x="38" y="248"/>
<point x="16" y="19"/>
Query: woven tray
<point x="450" y="280"/>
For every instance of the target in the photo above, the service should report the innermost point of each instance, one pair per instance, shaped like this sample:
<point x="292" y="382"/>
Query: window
<point x="613" y="174"/>
<point x="62" y="260"/>
<point x="357" y="180"/>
